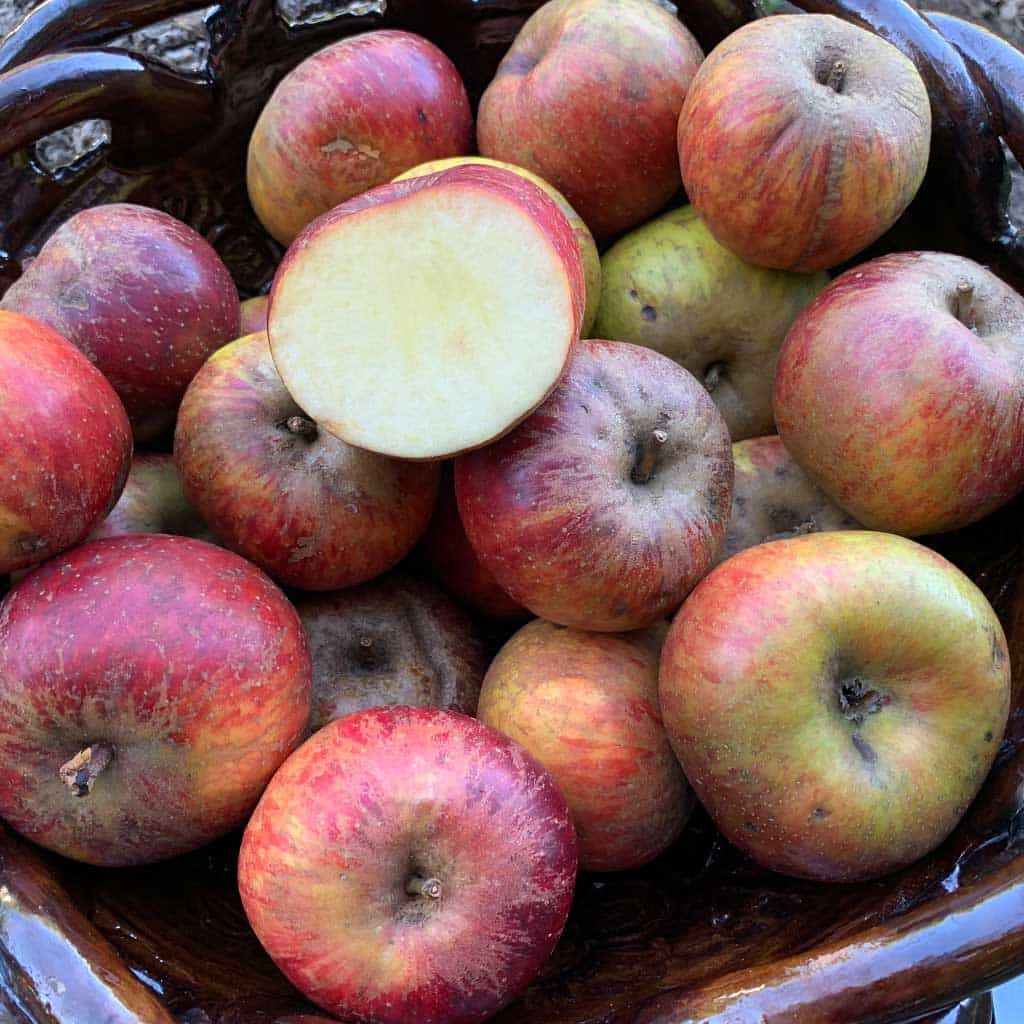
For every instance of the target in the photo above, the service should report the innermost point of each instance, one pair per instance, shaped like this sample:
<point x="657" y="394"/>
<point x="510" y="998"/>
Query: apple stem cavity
<point x="80" y="773"/>
<point x="647" y="457"/>
<point x="429" y="887"/>
<point x="836" y="76"/>
<point x="964" y="308"/>
<point x="302" y="426"/>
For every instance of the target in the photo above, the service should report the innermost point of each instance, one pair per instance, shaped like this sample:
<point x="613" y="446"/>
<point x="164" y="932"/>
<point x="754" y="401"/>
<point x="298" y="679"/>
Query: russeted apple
<point x="394" y="640"/>
<point x="149" y="688"/>
<point x="68" y="443"/>
<point x="429" y="316"/>
<point x="311" y="510"/>
<point x="586" y="706"/>
<point x="836" y="700"/>
<point x="802" y="139"/>
<point x="610" y="502"/>
<point x="409" y="865"/>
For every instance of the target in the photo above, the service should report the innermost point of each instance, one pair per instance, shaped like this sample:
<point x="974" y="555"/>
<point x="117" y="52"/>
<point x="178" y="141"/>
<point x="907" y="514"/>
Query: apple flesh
<point x="773" y="498"/>
<point x="394" y="640"/>
<point x="673" y="288"/>
<point x="836" y="700"/>
<point x="149" y="688"/>
<point x="802" y="140"/>
<point x="409" y="864"/>
<point x="351" y="117"/>
<point x="588" y="247"/>
<point x="461" y="338"/>
<point x="312" y="511"/>
<point x="145" y="297"/>
<point x="586" y="706"/>
<point x="610" y="502"/>
<point x="900" y="391"/>
<point x="69" y="443"/>
<point x="588" y="97"/>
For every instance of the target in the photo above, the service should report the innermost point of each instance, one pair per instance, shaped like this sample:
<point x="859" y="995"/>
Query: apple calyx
<point x="302" y="426"/>
<point x="429" y="887"/>
<point x="858" y="699"/>
<point x="80" y="773"/>
<point x="647" y="457"/>
<point x="836" y="76"/>
<point x="963" y="308"/>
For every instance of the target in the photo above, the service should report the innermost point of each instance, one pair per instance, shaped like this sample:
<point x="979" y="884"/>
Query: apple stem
<point x="648" y="457"/>
<point x="416" y="886"/>
<point x="80" y="773"/>
<point x="713" y="377"/>
<point x="836" y="76"/>
<point x="302" y="426"/>
<point x="964" y="310"/>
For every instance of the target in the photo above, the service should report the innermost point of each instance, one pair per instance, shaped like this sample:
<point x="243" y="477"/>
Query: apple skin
<point x="450" y="559"/>
<point x="69" y="446"/>
<point x="553" y="509"/>
<point x="394" y="640"/>
<point x="786" y="171"/>
<point x="392" y="793"/>
<point x="759" y="685"/>
<point x="183" y="657"/>
<point x="773" y="498"/>
<point x="588" y="98"/>
<point x="253" y="315"/>
<point x="588" y="247"/>
<point x="351" y="117"/>
<point x="586" y="706"/>
<point x="145" y="297"/>
<point x="312" y="511"/>
<point x="673" y="288"/>
<point x="906" y="417"/>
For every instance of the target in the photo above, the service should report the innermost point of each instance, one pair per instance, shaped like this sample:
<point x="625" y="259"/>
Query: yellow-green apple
<point x="68" y="446"/>
<point x="409" y="864"/>
<point x="588" y="97"/>
<point x="149" y="688"/>
<point x="588" y="247"/>
<point x="460" y="339"/>
<point x="449" y="557"/>
<point x="311" y="510"/>
<point x="773" y="498"/>
<point x="900" y="391"/>
<point x="253" y="315"/>
<point x="586" y="706"/>
<point x="394" y="640"/>
<point x="610" y="502"/>
<point x="145" y="297"/>
<point x="802" y="140"/>
<point x="673" y="288"/>
<point x="351" y="117"/>
<point x="836" y="700"/>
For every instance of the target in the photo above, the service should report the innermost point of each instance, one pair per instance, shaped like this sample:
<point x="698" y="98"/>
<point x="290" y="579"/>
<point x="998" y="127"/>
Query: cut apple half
<point x="428" y="317"/>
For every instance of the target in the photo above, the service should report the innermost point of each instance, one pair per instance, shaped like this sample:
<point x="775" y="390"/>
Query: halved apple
<point x="428" y="317"/>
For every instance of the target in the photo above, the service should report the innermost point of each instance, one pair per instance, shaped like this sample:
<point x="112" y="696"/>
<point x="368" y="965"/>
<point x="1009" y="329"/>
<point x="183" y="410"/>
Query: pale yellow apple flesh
<point x="424" y="326"/>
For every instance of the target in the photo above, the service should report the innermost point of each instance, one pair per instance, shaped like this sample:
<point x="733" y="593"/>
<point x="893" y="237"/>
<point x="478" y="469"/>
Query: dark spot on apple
<point x="858" y="699"/>
<point x="988" y="736"/>
<point x="585" y="407"/>
<point x="867" y="752"/>
<point x="997" y="654"/>
<point x="519" y="62"/>
<point x="634" y="294"/>
<point x="820" y="812"/>
<point x="421" y="116"/>
<point x="649" y="313"/>
<point x="368" y="655"/>
<point x="783" y="520"/>
<point x="752" y="826"/>
<point x="29" y="543"/>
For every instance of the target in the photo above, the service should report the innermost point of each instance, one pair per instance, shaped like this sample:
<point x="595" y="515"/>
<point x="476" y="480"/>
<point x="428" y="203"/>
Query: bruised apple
<point x="586" y="706"/>
<point x="68" y="443"/>
<point x="409" y="864"/>
<point x="610" y="502"/>
<point x="394" y="640"/>
<point x="311" y="510"/>
<point x="462" y="337"/>
<point x="149" y="688"/>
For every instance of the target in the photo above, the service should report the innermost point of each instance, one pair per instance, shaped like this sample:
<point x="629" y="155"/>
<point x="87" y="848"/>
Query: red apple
<point x="497" y="311"/>
<point x="451" y="560"/>
<point x="394" y="640"/>
<point x="68" y="443"/>
<point x="836" y="700"/>
<point x="149" y="688"/>
<point x="802" y="140"/>
<point x="144" y="296"/>
<point x="900" y="391"/>
<point x="588" y="97"/>
<point x="606" y="506"/>
<point x="409" y="864"/>
<point x="348" y="118"/>
<point x="586" y="706"/>
<point x="253" y="315"/>
<point x="311" y="510"/>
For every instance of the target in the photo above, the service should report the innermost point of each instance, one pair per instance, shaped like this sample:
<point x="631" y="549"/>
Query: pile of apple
<point x="416" y="391"/>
